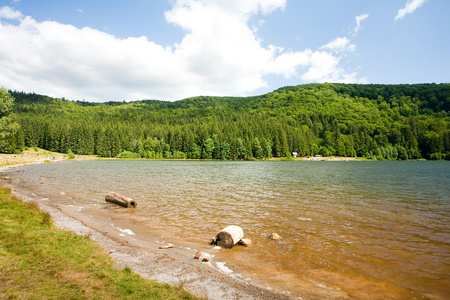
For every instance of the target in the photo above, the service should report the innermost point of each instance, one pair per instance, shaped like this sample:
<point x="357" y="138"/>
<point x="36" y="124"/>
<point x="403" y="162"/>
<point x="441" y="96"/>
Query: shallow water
<point x="361" y="229"/>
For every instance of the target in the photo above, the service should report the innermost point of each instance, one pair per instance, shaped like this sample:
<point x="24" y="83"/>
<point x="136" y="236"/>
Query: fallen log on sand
<point x="228" y="237"/>
<point x="120" y="200"/>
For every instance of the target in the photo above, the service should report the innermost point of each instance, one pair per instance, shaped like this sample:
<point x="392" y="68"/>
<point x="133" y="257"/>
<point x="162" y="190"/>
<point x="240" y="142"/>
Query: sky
<point x="116" y="50"/>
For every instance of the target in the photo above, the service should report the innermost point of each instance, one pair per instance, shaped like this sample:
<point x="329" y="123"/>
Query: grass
<point x="39" y="261"/>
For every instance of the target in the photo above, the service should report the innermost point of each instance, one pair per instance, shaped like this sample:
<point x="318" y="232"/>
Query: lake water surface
<point x="363" y="229"/>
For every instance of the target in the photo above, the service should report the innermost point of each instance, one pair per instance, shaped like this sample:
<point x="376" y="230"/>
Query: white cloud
<point x="410" y="7"/>
<point x="358" y="20"/>
<point x="219" y="55"/>
<point x="340" y="44"/>
<point x="324" y="67"/>
<point x="7" y="13"/>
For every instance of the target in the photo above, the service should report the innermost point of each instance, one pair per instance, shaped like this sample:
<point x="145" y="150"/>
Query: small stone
<point x="274" y="236"/>
<point x="197" y="256"/>
<point x="205" y="259"/>
<point x="166" y="246"/>
<point x="245" y="242"/>
<point x="7" y="178"/>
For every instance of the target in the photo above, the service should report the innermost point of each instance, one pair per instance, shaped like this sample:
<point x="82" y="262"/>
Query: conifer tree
<point x="8" y="127"/>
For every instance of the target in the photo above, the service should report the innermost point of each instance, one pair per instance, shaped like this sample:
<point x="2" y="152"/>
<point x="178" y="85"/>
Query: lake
<point x="362" y="229"/>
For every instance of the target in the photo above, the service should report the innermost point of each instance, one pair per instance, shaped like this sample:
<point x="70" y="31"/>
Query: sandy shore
<point x="140" y="252"/>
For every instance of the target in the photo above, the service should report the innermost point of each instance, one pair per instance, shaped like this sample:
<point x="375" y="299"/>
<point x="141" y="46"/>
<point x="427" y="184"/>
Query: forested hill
<point x="373" y="121"/>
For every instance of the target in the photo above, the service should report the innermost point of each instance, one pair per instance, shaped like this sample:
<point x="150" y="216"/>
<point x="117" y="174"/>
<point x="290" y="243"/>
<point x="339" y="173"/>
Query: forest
<point x="383" y="122"/>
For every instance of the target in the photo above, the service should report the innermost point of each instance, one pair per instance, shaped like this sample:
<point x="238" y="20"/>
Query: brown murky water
<point x="378" y="230"/>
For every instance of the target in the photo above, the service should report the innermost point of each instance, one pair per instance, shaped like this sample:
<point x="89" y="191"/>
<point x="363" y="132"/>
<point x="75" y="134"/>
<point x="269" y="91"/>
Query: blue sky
<point x="107" y="50"/>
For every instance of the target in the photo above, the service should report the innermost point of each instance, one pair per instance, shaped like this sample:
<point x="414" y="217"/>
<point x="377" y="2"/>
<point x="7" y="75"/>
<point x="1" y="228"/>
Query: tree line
<point x="372" y="121"/>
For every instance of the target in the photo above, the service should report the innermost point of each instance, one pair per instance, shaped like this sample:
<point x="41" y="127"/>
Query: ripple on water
<point x="378" y="227"/>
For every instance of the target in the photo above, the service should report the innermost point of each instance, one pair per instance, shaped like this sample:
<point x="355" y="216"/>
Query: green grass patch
<point x="39" y="261"/>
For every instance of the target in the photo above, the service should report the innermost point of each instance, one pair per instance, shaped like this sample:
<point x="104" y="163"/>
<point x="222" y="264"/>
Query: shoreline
<point x="174" y="266"/>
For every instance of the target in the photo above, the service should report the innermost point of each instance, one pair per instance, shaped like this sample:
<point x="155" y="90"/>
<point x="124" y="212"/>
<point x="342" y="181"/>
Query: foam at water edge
<point x="127" y="231"/>
<point x="223" y="269"/>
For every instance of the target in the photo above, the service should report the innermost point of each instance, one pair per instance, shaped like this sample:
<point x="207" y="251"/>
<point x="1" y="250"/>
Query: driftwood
<point x="120" y="200"/>
<point x="228" y="237"/>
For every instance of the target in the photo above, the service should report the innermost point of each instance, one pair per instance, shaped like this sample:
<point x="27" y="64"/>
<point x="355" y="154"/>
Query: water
<point x="354" y="229"/>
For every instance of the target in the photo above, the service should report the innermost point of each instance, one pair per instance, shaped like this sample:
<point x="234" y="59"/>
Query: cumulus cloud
<point x="358" y="20"/>
<point x="340" y="44"/>
<point x="324" y="67"/>
<point x="7" y="13"/>
<point x="218" y="55"/>
<point x="410" y="7"/>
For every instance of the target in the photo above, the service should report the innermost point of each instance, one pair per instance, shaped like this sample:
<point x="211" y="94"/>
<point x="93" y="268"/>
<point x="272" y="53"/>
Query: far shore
<point x="37" y="155"/>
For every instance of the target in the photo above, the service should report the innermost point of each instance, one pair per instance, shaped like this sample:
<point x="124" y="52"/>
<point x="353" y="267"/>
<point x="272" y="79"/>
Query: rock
<point x="304" y="219"/>
<point x="274" y="236"/>
<point x="245" y="242"/>
<point x="166" y="246"/>
<point x="197" y="255"/>
<point x="205" y="259"/>
<point x="7" y="178"/>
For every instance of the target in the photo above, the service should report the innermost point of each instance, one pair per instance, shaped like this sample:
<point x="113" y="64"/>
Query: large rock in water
<point x="229" y="236"/>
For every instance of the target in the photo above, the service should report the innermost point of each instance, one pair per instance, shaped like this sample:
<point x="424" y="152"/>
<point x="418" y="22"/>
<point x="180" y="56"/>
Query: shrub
<point x="128" y="154"/>
<point x="70" y="155"/>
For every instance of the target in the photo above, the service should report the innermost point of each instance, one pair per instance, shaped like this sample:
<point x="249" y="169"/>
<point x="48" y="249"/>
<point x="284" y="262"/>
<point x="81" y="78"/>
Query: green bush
<point x="70" y="155"/>
<point x="128" y="154"/>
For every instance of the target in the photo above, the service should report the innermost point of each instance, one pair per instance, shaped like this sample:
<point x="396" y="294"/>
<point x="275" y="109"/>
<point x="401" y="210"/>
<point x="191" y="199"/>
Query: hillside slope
<point x="382" y="121"/>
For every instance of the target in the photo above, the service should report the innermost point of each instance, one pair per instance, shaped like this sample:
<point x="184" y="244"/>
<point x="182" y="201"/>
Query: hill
<point x="381" y="121"/>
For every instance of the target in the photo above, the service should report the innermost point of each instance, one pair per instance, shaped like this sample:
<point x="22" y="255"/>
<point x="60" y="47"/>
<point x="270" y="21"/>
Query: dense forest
<point x="371" y="121"/>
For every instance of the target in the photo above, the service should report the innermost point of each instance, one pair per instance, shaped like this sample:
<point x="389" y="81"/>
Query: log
<point x="120" y="200"/>
<point x="229" y="236"/>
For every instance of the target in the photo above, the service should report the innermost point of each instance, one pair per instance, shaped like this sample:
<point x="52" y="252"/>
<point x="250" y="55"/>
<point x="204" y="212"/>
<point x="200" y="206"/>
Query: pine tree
<point x="8" y="127"/>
